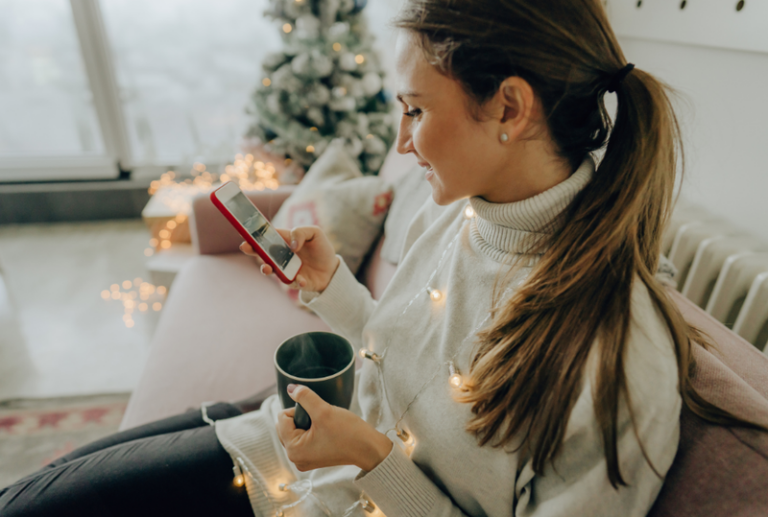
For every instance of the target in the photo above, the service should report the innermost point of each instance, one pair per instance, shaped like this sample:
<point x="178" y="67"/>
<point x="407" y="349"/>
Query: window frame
<point x="100" y="72"/>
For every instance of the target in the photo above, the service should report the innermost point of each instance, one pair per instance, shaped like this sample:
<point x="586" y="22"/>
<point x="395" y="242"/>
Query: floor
<point x="58" y="336"/>
<point x="34" y="432"/>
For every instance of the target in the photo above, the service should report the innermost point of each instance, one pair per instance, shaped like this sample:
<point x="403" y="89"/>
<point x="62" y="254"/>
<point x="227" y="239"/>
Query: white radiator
<point x="722" y="269"/>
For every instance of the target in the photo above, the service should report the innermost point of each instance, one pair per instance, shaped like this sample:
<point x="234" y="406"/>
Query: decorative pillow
<point x="411" y="191"/>
<point x="335" y="196"/>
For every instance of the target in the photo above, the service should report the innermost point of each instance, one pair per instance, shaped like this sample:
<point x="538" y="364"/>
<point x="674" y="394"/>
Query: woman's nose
<point x="404" y="140"/>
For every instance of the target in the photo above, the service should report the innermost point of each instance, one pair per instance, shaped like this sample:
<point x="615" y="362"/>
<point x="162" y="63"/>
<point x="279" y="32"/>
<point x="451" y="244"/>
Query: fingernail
<point x="294" y="244"/>
<point x="290" y="388"/>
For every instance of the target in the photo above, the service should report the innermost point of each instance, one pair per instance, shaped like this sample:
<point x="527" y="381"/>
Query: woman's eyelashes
<point x="412" y="112"/>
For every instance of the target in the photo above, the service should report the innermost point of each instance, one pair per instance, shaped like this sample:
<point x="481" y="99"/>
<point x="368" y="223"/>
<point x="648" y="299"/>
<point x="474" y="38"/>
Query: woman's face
<point x="462" y="155"/>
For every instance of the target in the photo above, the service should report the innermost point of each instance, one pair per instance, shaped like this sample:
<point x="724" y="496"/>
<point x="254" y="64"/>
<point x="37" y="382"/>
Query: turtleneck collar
<point x="502" y="228"/>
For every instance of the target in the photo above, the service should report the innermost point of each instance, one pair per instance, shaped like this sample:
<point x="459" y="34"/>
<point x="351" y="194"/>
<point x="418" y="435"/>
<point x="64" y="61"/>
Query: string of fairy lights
<point x="303" y="489"/>
<point x="135" y="296"/>
<point x="455" y="379"/>
<point x="176" y="194"/>
<point x="246" y="170"/>
<point x="138" y="295"/>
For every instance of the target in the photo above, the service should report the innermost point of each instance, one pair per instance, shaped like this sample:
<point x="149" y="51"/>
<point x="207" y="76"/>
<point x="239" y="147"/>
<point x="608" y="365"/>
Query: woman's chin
<point x="439" y="193"/>
<point x="440" y="197"/>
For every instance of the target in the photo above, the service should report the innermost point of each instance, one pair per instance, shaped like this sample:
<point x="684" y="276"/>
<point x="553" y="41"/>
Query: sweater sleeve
<point x="345" y="305"/>
<point x="401" y="489"/>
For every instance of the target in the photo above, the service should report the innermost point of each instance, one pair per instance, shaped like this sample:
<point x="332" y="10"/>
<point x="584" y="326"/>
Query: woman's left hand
<point x="336" y="437"/>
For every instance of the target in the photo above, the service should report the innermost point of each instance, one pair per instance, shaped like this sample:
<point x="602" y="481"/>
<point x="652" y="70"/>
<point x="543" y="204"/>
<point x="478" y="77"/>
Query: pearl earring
<point x="504" y="137"/>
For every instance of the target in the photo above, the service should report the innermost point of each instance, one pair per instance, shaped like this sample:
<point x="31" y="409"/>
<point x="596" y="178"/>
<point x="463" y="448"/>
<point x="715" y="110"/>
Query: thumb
<point x="285" y="234"/>
<point x="308" y="399"/>
<point x="301" y="235"/>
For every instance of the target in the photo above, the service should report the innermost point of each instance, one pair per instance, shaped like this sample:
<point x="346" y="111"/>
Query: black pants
<point x="174" y="466"/>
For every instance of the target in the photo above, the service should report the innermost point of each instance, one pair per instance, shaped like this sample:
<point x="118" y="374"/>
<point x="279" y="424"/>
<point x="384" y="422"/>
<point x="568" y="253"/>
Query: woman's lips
<point x="429" y="172"/>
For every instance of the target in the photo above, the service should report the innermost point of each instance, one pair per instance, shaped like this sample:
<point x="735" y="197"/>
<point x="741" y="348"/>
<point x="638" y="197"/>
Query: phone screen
<point x="258" y="226"/>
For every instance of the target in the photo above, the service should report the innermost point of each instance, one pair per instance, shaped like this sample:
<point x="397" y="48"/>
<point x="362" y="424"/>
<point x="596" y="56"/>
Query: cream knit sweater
<point x="444" y="472"/>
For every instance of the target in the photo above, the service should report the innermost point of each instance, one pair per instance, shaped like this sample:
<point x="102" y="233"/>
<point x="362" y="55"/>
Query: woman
<point x="524" y="361"/>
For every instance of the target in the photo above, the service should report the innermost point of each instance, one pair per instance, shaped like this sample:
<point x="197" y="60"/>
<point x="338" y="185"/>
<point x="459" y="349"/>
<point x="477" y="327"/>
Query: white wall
<point x="724" y="113"/>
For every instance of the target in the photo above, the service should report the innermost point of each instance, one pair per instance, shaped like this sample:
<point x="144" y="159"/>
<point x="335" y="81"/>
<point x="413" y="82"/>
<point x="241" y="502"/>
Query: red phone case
<point x="248" y="237"/>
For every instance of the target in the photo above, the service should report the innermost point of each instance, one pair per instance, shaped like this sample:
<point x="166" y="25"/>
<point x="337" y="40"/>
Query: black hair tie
<point x="618" y="77"/>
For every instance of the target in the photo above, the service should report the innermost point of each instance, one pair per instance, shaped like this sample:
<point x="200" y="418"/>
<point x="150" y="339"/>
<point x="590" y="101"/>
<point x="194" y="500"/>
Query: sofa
<point x="223" y="320"/>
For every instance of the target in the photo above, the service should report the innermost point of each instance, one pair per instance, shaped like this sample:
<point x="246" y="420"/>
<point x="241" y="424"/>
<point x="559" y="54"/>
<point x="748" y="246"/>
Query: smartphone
<point x="257" y="231"/>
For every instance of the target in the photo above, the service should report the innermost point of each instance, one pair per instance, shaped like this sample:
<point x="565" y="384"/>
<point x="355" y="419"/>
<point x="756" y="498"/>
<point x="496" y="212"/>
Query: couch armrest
<point x="211" y="232"/>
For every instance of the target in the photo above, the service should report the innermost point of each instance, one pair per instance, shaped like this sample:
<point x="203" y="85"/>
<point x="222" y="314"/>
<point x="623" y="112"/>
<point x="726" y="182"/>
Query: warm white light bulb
<point x="456" y="380"/>
<point x="367" y="505"/>
<point x="239" y="480"/>
<point x="469" y="212"/>
<point x="407" y="438"/>
<point x="435" y="295"/>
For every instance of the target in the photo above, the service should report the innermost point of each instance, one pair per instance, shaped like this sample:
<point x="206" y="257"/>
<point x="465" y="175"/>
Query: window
<point x="48" y="116"/>
<point x="185" y="69"/>
<point x="87" y="87"/>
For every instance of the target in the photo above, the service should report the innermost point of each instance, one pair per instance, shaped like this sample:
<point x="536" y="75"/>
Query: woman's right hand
<point x="318" y="258"/>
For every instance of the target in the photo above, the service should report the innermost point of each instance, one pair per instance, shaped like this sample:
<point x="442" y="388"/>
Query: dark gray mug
<point x="321" y="361"/>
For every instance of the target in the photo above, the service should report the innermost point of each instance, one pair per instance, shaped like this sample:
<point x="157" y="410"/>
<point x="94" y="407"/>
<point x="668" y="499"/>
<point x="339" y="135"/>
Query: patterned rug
<point x="35" y="432"/>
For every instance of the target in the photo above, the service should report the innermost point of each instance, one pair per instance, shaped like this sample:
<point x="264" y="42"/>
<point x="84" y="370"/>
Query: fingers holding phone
<point x="265" y="268"/>
<point x="319" y="260"/>
<point x="255" y="228"/>
<point x="314" y="248"/>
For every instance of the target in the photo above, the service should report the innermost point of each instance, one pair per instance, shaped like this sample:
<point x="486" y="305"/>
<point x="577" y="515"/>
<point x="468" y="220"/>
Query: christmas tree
<point x="326" y="83"/>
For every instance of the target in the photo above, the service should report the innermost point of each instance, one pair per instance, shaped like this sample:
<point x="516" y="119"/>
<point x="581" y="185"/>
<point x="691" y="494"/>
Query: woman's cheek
<point x="423" y="143"/>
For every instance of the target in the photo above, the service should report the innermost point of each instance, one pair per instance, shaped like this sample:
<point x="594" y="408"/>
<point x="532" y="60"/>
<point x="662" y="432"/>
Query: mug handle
<point x="300" y="418"/>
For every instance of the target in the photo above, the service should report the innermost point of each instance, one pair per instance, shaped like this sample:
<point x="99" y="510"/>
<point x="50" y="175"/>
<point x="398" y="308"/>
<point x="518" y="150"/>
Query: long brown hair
<point x="579" y="292"/>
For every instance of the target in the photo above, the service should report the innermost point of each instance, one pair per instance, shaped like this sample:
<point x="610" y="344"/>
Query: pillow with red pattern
<point x="335" y="196"/>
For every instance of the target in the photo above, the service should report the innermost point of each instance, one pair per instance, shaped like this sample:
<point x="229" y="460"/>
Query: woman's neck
<point x="530" y="170"/>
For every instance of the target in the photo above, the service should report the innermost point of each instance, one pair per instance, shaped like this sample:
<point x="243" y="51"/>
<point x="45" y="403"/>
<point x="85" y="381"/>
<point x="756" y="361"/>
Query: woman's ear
<point x="516" y="99"/>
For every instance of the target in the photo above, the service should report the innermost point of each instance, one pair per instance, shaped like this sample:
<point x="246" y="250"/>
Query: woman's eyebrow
<point x="406" y="94"/>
